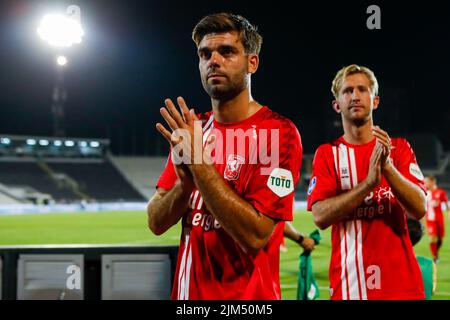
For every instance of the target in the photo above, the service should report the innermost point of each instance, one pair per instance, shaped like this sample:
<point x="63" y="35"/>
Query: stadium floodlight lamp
<point x="43" y="142"/>
<point x="83" y="144"/>
<point x="69" y="143"/>
<point x="5" y="141"/>
<point x="95" y="144"/>
<point x="57" y="143"/>
<point x="31" y="142"/>
<point x="60" y="30"/>
<point x="61" y="60"/>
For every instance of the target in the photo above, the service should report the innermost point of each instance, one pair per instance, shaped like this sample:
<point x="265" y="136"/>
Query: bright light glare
<point x="5" y="141"/>
<point x="95" y="144"/>
<point x="60" y="31"/>
<point x="57" y="143"/>
<point x="69" y="143"/>
<point x="31" y="142"/>
<point x="43" y="142"/>
<point x="61" y="60"/>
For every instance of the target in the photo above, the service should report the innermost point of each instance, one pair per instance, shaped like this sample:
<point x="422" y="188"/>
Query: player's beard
<point x="358" y="119"/>
<point x="228" y="88"/>
<point x="359" y="122"/>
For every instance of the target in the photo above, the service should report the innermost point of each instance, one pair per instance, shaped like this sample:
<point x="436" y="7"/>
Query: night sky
<point x="134" y="54"/>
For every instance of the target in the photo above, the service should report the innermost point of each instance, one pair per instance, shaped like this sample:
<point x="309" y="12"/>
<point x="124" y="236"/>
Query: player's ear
<point x="252" y="63"/>
<point x="376" y="101"/>
<point x="336" y="106"/>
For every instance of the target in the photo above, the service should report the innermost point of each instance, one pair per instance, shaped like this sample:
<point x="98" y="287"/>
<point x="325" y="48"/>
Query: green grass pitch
<point x="131" y="228"/>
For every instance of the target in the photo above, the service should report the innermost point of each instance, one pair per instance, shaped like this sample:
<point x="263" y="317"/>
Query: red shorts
<point x="436" y="228"/>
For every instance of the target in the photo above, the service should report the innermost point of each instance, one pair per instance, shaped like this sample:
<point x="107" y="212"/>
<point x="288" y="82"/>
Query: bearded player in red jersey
<point x="232" y="207"/>
<point x="434" y="218"/>
<point x="362" y="185"/>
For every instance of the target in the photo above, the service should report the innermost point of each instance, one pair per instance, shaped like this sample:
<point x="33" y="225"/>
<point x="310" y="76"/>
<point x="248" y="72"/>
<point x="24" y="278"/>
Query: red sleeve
<point x="444" y="196"/>
<point x="168" y="176"/>
<point x="406" y="163"/>
<point x="322" y="184"/>
<point x="270" y="190"/>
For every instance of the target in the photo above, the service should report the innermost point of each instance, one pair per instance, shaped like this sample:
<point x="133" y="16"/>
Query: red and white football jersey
<point x="434" y="200"/>
<point x="211" y="265"/>
<point x="372" y="256"/>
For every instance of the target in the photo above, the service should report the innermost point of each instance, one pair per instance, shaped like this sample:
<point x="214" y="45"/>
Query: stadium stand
<point x="25" y="175"/>
<point x="57" y="170"/>
<point x="444" y="179"/>
<point x="305" y="175"/>
<point x="97" y="180"/>
<point x="10" y="195"/>
<point x="428" y="150"/>
<point x="141" y="172"/>
<point x="5" y="199"/>
<point x="432" y="158"/>
<point x="67" y="180"/>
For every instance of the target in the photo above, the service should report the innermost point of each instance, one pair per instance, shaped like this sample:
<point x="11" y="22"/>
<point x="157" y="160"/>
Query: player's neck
<point x="355" y="134"/>
<point x="236" y="109"/>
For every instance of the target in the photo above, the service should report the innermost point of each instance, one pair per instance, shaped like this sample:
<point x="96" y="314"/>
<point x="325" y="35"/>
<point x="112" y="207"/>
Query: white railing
<point x="17" y="209"/>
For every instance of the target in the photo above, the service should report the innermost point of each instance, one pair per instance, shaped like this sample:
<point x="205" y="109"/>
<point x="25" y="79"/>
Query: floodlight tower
<point x="61" y="32"/>
<point x="59" y="97"/>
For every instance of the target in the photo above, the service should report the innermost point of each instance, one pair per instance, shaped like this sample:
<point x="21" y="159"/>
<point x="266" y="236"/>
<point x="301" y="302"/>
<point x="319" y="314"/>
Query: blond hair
<point x="353" y="69"/>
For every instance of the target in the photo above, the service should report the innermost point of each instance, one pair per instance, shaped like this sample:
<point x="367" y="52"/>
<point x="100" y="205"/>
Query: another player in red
<point x="362" y="185"/>
<point x="292" y="233"/>
<point x="232" y="209"/>
<point x="435" y="219"/>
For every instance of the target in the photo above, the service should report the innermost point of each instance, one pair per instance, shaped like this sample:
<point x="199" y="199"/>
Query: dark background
<point x="134" y="54"/>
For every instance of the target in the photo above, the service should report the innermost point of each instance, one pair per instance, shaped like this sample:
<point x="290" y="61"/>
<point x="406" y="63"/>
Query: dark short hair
<point x="227" y="22"/>
<point x="415" y="230"/>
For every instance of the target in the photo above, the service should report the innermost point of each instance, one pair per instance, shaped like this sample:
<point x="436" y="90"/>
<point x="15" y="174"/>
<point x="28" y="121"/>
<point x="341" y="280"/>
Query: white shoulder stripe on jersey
<point x="186" y="260"/>
<point x="358" y="225"/>
<point x="350" y="232"/>
<point x="208" y="123"/>
<point x="343" y="259"/>
<point x="344" y="167"/>
<point x="362" y="276"/>
<point x="182" y="271"/>
<point x="200" y="203"/>
<point x="353" y="167"/>
<point x="188" y="272"/>
<point x="191" y="198"/>
<point x="351" y="261"/>
<point x="194" y="202"/>
<point x="207" y="133"/>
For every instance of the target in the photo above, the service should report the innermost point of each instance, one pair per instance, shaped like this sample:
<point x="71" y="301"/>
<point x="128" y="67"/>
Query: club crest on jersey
<point x="280" y="182"/>
<point x="415" y="171"/>
<point x="312" y="185"/>
<point x="233" y="167"/>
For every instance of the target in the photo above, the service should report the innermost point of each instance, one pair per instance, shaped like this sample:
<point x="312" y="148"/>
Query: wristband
<point x="300" y="239"/>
